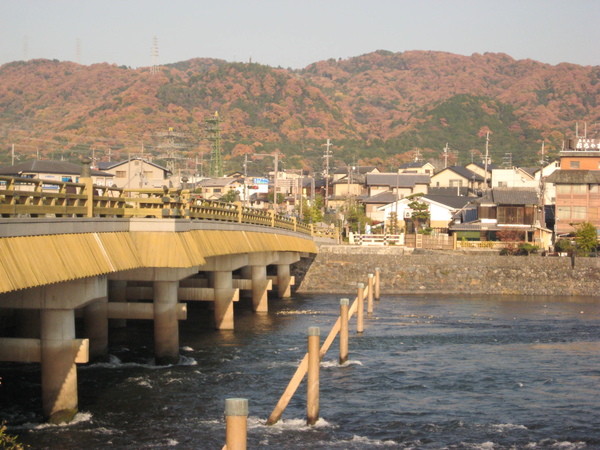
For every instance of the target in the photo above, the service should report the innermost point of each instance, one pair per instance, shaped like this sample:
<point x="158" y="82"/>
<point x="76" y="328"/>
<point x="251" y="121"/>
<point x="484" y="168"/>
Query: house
<point x="343" y="172"/>
<point x="55" y="171"/>
<point x="441" y="209"/>
<point x="457" y="177"/>
<point x="577" y="185"/>
<point x="215" y="188"/>
<point x="502" y="209"/>
<point x="137" y="173"/>
<point x="351" y="186"/>
<point x="417" y="167"/>
<point x="402" y="183"/>
<point x="480" y="169"/>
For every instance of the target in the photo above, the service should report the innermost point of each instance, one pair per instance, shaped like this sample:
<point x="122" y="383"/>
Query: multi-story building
<point x="577" y="182"/>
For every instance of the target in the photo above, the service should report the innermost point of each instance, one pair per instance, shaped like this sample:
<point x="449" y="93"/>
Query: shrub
<point x="7" y="441"/>
<point x="526" y="248"/>
<point x="563" y="246"/>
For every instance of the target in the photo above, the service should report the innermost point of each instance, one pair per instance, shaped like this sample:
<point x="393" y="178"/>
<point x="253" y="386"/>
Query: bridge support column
<point x="59" y="374"/>
<point x="95" y="322"/>
<point x="166" y="325"/>
<point x="284" y="278"/>
<point x="284" y="285"/>
<point x="117" y="292"/>
<point x="223" y="285"/>
<point x="260" y="300"/>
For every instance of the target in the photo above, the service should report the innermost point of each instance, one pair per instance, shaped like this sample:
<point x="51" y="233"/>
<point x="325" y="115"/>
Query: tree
<point x="312" y="213"/>
<point x="420" y="210"/>
<point x="230" y="196"/>
<point x="586" y="237"/>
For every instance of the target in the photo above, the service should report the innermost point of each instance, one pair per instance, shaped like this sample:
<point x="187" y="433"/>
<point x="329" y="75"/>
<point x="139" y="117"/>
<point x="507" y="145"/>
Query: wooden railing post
<point x="377" y="281"/>
<point x="370" y="283"/>
<point x="312" y="387"/>
<point x="360" y="312"/>
<point x="344" y="305"/>
<point x="236" y="423"/>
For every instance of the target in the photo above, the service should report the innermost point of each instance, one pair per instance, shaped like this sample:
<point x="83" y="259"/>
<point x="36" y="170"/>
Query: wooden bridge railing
<point x="30" y="197"/>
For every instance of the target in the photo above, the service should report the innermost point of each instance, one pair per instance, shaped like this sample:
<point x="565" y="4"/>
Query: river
<point x="430" y="372"/>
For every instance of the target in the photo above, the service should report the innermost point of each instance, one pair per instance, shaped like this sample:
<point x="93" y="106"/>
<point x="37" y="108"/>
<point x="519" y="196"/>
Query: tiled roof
<point x="465" y="173"/>
<point x="393" y="179"/>
<point x="455" y="202"/>
<point x="107" y="165"/>
<point x="450" y="191"/>
<point x="383" y="198"/>
<point x="216" y="182"/>
<point x="359" y="169"/>
<point x="48" y="166"/>
<point x="574" y="177"/>
<point x="515" y="196"/>
<point x="413" y="165"/>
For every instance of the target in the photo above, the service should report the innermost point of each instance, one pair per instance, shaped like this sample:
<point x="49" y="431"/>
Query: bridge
<point x="78" y="250"/>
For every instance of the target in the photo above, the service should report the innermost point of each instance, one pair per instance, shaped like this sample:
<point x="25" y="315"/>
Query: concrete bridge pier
<point x="95" y="322"/>
<point x="59" y="373"/>
<point x="166" y="324"/>
<point x="284" y="278"/>
<point x="165" y="310"/>
<point x="56" y="348"/>
<point x="222" y="268"/>
<point x="258" y="262"/>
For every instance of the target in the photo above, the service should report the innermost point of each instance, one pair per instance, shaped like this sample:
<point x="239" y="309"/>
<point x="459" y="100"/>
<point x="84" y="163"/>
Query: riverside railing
<point x="30" y="197"/>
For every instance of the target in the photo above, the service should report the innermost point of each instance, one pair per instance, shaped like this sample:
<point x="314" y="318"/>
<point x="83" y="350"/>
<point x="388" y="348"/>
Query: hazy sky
<point x="295" y="33"/>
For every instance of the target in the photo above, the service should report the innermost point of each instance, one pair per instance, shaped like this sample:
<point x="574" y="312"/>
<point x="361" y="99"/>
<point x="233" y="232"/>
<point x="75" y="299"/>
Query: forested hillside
<point x="379" y="108"/>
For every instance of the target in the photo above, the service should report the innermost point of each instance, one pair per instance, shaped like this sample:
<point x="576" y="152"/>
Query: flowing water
<point x="431" y="372"/>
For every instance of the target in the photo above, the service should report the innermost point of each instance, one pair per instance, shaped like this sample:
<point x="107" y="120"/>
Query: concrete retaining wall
<point x="337" y="269"/>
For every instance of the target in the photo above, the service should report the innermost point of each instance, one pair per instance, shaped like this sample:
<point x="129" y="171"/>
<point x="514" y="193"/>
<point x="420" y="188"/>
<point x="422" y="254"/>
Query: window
<point x="121" y="174"/>
<point x="510" y="214"/>
<point x="215" y="190"/>
<point x="502" y="183"/>
<point x="455" y="183"/>
<point x="573" y="164"/>
<point x="563" y="212"/>
<point x="563" y="188"/>
<point x="579" y="188"/>
<point x="579" y="213"/>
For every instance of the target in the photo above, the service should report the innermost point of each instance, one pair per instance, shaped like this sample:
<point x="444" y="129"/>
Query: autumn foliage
<point x="380" y="108"/>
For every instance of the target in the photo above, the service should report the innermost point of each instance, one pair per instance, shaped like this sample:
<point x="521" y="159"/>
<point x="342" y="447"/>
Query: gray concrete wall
<point x="337" y="269"/>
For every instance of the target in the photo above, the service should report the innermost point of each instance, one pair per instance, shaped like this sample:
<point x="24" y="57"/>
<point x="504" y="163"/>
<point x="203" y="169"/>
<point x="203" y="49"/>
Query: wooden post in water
<point x="236" y="423"/>
<point x="360" y="312"/>
<point x="312" y="387"/>
<point x="344" y="305"/>
<point x="370" y="283"/>
<point x="303" y="368"/>
<point x="377" y="281"/>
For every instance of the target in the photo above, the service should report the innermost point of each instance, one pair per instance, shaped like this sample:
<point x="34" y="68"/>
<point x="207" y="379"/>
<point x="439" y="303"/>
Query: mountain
<point x="377" y="109"/>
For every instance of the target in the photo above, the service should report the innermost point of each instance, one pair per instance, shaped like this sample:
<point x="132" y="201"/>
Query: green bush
<point x="563" y="246"/>
<point x="526" y="248"/>
<point x="7" y="441"/>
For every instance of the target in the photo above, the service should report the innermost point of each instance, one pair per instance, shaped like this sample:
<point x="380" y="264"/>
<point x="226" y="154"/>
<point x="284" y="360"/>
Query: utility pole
<point x="485" y="170"/>
<point x="542" y="190"/>
<point x="446" y="155"/>
<point x="327" y="155"/>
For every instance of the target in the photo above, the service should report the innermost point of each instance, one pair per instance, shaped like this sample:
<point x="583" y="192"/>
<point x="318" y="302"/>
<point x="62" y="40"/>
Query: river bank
<point x="337" y="269"/>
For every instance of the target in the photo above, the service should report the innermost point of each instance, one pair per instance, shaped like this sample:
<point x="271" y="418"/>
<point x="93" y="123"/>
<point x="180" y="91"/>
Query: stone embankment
<point x="338" y="268"/>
